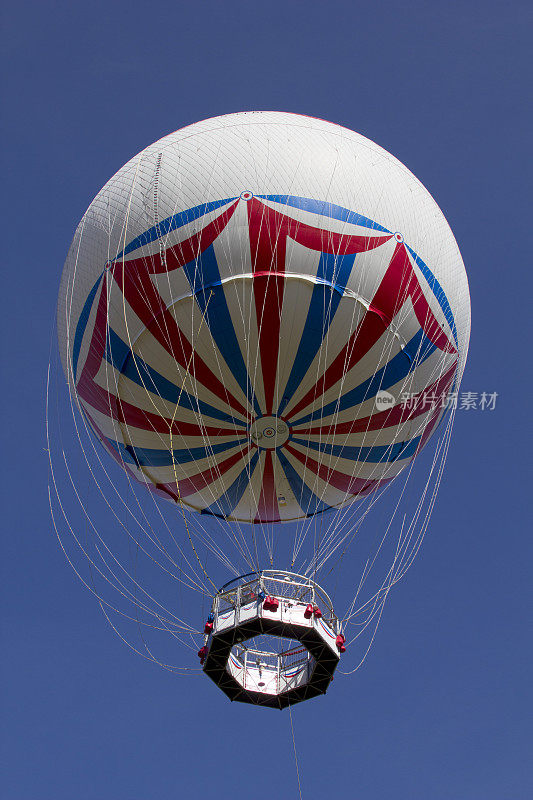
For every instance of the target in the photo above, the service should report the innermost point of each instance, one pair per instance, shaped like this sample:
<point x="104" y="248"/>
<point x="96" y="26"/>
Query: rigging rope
<point x="295" y="755"/>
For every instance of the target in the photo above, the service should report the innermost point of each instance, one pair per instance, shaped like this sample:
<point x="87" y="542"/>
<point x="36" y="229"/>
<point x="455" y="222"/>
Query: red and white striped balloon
<point x="246" y="306"/>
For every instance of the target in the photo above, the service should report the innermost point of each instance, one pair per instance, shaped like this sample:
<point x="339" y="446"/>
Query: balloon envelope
<point x="261" y="316"/>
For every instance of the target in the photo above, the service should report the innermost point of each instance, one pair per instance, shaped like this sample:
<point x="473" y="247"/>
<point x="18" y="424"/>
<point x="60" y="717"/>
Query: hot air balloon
<point x="262" y="318"/>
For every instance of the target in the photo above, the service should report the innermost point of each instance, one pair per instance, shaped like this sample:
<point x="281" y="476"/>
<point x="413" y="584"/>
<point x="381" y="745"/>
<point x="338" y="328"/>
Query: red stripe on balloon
<point x="86" y="387"/>
<point x="318" y="239"/>
<point x="267" y="508"/>
<point x="201" y="480"/>
<point x="129" y="415"/>
<point x="268" y="293"/>
<point x="125" y="413"/>
<point x="134" y="280"/>
<point x="268" y="230"/>
<point x="149" y="421"/>
<point x="399" y="283"/>
<point x="345" y="483"/>
<point x="390" y="417"/>
<point x="145" y="300"/>
<point x="334" y="243"/>
<point x="106" y="403"/>
<point x="184" y="252"/>
<point x="268" y="249"/>
<point x="187" y="486"/>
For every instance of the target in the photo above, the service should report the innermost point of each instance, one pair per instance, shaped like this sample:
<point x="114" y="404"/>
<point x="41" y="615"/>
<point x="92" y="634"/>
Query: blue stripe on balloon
<point x="82" y="324"/>
<point x="335" y="272"/>
<point x="203" y="275"/>
<point x="133" y="367"/>
<point x="148" y="457"/>
<point x="325" y="209"/>
<point x="374" y="455"/>
<point x="308" y="501"/>
<point x="414" y="353"/>
<point x="232" y="497"/>
<point x="437" y="290"/>
<point x="172" y="223"/>
<point x="336" y="269"/>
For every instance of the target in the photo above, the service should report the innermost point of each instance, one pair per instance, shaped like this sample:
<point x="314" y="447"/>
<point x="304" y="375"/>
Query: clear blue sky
<point x="442" y="708"/>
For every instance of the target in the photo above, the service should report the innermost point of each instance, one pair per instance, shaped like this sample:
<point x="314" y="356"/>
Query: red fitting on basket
<point x="308" y="613"/>
<point x="208" y="627"/>
<point x="271" y="603"/>
<point x="339" y="641"/>
<point x="317" y="612"/>
<point x="202" y="653"/>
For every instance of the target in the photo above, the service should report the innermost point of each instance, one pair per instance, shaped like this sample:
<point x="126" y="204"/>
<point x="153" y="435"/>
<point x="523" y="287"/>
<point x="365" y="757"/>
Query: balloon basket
<point x="246" y="652"/>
